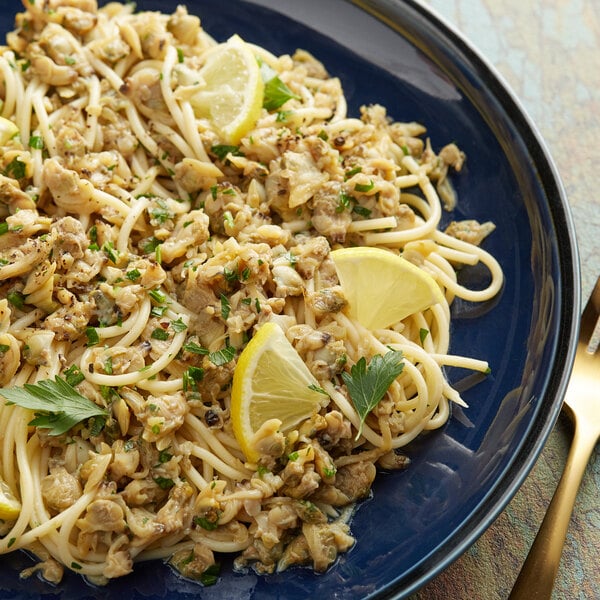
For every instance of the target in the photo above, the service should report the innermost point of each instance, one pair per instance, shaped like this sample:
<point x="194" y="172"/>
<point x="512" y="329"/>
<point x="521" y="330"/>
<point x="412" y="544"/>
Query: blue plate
<point x="418" y="521"/>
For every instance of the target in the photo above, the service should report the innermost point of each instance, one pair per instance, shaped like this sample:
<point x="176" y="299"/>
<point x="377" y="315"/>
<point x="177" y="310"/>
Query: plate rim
<point x="532" y="443"/>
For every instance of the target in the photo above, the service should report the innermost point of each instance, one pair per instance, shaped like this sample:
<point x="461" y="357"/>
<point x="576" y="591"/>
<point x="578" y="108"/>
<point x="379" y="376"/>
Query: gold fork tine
<point x="582" y="401"/>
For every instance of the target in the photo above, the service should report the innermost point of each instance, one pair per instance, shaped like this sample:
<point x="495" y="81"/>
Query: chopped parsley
<point x="92" y="336"/>
<point x="133" y="275"/>
<point x="363" y="211"/>
<point x="36" y="142"/>
<point x="109" y="249"/>
<point x="194" y="348"/>
<point x="15" y="169"/>
<point x="225" y="307"/>
<point x="221" y="151"/>
<point x="149" y="245"/>
<point x="161" y="212"/>
<point x="344" y="201"/>
<point x="276" y="93"/>
<point x="164" y="456"/>
<point x="17" y="299"/>
<point x="364" y="187"/>
<point x="73" y="375"/>
<point x="210" y="575"/>
<point x="159" y="334"/>
<point x="208" y="523"/>
<point x="352" y="172"/>
<point x="178" y="325"/>
<point x="191" y="377"/>
<point x="164" y="483"/>
<point x="157" y="296"/>
<point x="223" y="356"/>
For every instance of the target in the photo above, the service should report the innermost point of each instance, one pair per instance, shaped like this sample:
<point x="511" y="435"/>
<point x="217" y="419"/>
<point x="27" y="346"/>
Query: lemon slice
<point x="10" y="507"/>
<point x="383" y="288"/>
<point x="233" y="93"/>
<point x="7" y="130"/>
<point x="271" y="381"/>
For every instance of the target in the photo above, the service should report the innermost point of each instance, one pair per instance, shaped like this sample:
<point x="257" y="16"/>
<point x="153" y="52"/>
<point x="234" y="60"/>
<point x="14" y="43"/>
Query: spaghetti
<point x="139" y="253"/>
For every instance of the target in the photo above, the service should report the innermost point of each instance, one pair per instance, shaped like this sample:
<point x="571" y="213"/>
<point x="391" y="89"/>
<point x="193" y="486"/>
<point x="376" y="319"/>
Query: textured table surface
<point x="549" y="54"/>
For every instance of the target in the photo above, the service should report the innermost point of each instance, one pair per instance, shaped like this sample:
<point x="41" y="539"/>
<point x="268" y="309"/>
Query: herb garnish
<point x="367" y="385"/>
<point x="194" y="348"/>
<point x="164" y="483"/>
<point x="57" y="405"/>
<point x="36" y="142"/>
<point x="210" y="523"/>
<point x="73" y="375"/>
<point x="15" y="169"/>
<point x="223" y="356"/>
<point x="225" y="307"/>
<point x="222" y="150"/>
<point x="17" y="299"/>
<point x="364" y="187"/>
<point x="276" y="93"/>
<point x="191" y="377"/>
<point x="178" y="325"/>
<point x="210" y="575"/>
<point x="159" y="334"/>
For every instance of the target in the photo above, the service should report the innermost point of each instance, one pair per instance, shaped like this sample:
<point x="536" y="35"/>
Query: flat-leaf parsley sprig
<point x="57" y="405"/>
<point x="367" y="385"/>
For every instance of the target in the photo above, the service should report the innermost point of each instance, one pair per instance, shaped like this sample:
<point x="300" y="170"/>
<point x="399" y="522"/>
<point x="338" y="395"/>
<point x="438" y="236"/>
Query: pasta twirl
<point x="139" y="252"/>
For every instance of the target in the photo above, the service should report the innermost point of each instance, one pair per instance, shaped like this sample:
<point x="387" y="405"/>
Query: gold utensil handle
<point x="536" y="579"/>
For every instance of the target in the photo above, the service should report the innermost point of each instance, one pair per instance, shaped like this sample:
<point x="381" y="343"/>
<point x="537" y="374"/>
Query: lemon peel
<point x="232" y="96"/>
<point x="7" y="130"/>
<point x="383" y="288"/>
<point x="271" y="381"/>
<point x="10" y="507"/>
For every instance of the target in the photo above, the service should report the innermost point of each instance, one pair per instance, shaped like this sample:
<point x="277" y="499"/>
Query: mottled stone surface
<point x="549" y="53"/>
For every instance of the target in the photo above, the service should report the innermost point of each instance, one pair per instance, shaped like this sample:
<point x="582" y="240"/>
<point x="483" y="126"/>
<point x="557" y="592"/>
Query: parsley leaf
<point x="367" y="385"/>
<point x="364" y="187"/>
<point x="210" y="523"/>
<point x="164" y="483"/>
<point x="276" y="93"/>
<point x="194" y="348"/>
<point x="191" y="377"/>
<point x="223" y="356"/>
<point x="225" y="307"/>
<point x="178" y="325"/>
<point x="15" y="169"/>
<point x="57" y="405"/>
<point x="222" y="150"/>
<point x="210" y="575"/>
<point x="36" y="142"/>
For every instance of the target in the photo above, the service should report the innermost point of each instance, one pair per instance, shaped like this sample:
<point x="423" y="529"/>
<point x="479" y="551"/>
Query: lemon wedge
<point x="383" y="288"/>
<point x="233" y="93"/>
<point x="10" y="507"/>
<point x="7" y="130"/>
<point x="271" y="381"/>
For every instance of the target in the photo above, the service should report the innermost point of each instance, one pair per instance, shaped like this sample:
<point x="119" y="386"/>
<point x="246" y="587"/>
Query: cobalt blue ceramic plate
<point x="398" y="54"/>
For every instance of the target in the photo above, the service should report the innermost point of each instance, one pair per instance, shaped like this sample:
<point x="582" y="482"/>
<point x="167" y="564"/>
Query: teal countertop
<point x="549" y="54"/>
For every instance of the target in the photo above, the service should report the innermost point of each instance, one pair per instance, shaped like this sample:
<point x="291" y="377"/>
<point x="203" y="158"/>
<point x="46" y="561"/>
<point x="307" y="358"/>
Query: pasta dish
<point x="172" y="210"/>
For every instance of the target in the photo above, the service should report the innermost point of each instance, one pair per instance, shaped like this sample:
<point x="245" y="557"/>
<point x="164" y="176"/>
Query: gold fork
<point x="582" y="403"/>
